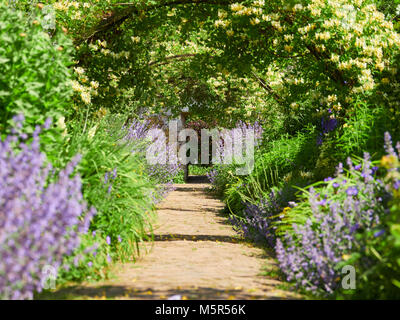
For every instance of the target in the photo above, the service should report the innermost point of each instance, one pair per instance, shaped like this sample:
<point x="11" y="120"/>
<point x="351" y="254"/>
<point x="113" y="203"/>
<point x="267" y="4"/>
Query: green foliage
<point x="285" y="160"/>
<point x="114" y="181"/>
<point x="34" y="71"/>
<point x="198" y="170"/>
<point x="90" y="261"/>
<point x="362" y="131"/>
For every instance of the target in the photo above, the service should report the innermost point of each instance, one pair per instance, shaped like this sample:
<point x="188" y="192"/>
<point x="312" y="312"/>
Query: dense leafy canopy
<point x="233" y="60"/>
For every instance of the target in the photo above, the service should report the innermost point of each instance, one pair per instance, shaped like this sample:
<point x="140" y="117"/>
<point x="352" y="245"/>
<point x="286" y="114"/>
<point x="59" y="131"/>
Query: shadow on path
<point x="197" y="179"/>
<point x="190" y="237"/>
<point x="127" y="292"/>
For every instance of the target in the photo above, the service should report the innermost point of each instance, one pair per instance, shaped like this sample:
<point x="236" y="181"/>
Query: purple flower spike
<point x="379" y="233"/>
<point x="352" y="191"/>
<point x="47" y="123"/>
<point x="41" y="215"/>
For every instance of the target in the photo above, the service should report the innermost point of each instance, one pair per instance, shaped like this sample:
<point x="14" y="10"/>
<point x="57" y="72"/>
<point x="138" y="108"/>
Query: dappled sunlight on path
<point x="195" y="254"/>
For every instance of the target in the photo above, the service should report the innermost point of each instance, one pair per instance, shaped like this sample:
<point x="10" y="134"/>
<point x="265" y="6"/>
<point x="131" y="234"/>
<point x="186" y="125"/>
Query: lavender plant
<point x="43" y="214"/>
<point x="221" y="174"/>
<point x="337" y="209"/>
<point x="257" y="223"/>
<point x="163" y="174"/>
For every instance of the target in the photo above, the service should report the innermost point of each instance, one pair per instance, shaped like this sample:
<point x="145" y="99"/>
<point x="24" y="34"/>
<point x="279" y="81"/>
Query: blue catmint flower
<point x="47" y="123"/>
<point x="388" y="144"/>
<point x="37" y="203"/>
<point x="379" y="233"/>
<point x="108" y="240"/>
<point x="352" y="191"/>
<point x="319" y="140"/>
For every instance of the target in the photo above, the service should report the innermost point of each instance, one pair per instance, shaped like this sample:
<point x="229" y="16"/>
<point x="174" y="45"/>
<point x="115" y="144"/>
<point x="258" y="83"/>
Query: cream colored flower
<point x="86" y="97"/>
<point x="92" y="132"/>
<point x="61" y="123"/>
<point x="237" y="7"/>
<point x="135" y="39"/>
<point x="79" y="70"/>
<point x="94" y="84"/>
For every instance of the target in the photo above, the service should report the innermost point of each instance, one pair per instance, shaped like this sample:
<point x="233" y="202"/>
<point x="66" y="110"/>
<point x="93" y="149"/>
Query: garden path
<point x="196" y="255"/>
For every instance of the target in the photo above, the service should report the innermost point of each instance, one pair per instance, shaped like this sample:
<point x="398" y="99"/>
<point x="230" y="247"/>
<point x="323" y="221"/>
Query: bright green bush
<point x="288" y="158"/>
<point x="114" y="181"/>
<point x="90" y="261"/>
<point x="34" y="74"/>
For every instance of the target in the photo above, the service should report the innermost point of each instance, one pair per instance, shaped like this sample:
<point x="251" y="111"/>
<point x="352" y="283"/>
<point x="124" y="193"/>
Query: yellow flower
<point x="388" y="161"/>
<point x="222" y="14"/>
<point x="288" y="48"/>
<point x="254" y="21"/>
<point x="332" y="98"/>
<point x="94" y="84"/>
<point x="79" y="70"/>
<point x="236" y="7"/>
<point x="135" y="39"/>
<point x="86" y="97"/>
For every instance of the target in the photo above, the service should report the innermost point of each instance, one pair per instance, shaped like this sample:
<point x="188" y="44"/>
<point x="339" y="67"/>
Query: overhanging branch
<point x="117" y="17"/>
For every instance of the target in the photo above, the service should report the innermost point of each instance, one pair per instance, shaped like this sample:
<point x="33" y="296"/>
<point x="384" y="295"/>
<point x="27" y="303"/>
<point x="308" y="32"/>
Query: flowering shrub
<point x="342" y="220"/>
<point x="220" y="175"/>
<point x="115" y="181"/>
<point x="43" y="214"/>
<point x="162" y="174"/>
<point x="89" y="261"/>
<point x="377" y="259"/>
<point x="259" y="218"/>
<point x="350" y="219"/>
<point x="367" y="41"/>
<point x="344" y="205"/>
